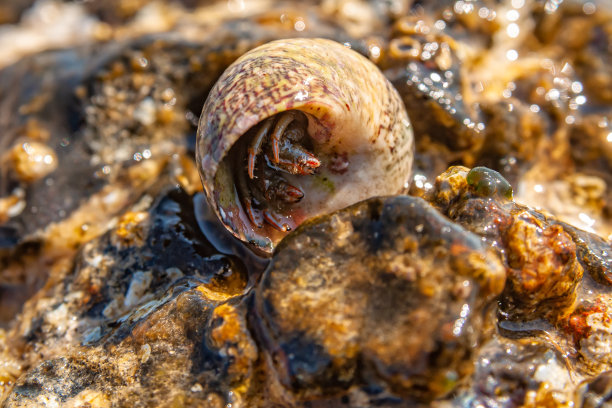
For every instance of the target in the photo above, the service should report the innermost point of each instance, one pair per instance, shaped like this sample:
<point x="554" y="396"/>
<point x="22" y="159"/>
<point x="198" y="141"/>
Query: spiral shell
<point x="357" y="127"/>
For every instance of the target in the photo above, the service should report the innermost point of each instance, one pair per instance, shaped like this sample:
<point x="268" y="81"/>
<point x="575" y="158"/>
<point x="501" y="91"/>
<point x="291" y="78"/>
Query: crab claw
<point x="283" y="191"/>
<point x="291" y="194"/>
<point x="253" y="214"/>
<point x="295" y="159"/>
<point x="251" y="163"/>
<point x="308" y="162"/>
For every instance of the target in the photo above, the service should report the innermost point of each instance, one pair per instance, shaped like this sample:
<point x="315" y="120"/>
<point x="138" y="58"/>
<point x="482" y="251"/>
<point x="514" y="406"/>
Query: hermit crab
<point x="296" y="128"/>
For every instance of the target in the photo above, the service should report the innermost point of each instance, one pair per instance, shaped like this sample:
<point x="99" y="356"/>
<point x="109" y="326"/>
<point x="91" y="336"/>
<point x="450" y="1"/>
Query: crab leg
<point x="284" y="121"/>
<point x="246" y="197"/>
<point x="256" y="142"/>
<point x="272" y="219"/>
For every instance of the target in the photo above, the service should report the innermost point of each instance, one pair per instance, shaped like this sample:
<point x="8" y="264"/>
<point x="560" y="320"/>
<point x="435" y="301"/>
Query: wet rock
<point x="589" y="138"/>
<point x="188" y="347"/>
<point x="121" y="275"/>
<point x="512" y="373"/>
<point x="424" y="65"/>
<point x="44" y="115"/>
<point x="596" y="393"/>
<point x="117" y="12"/>
<point x="540" y="257"/>
<point x="136" y="101"/>
<point x="512" y="136"/>
<point x="585" y="35"/>
<point x="11" y="12"/>
<point x="57" y="192"/>
<point x="594" y="252"/>
<point x="556" y="274"/>
<point x="385" y="294"/>
<point x="590" y="328"/>
<point x="592" y="153"/>
<point x="45" y="176"/>
<point x="544" y="270"/>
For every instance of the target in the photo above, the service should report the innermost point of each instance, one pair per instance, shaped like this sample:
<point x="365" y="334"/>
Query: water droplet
<point x="513" y="30"/>
<point x="512" y="15"/>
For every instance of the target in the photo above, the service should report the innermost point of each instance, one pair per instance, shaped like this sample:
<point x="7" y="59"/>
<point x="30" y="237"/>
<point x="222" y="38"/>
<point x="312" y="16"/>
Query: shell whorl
<point x="351" y="109"/>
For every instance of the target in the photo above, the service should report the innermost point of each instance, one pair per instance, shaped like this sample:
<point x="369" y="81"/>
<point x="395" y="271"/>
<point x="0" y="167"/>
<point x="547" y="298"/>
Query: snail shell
<point x="357" y="129"/>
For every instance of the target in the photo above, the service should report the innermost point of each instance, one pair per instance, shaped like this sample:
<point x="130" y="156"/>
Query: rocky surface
<point x="340" y="302"/>
<point x="117" y="288"/>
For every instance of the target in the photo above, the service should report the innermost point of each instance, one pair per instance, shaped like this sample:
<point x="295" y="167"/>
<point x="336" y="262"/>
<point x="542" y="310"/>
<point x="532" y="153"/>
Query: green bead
<point x="488" y="183"/>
